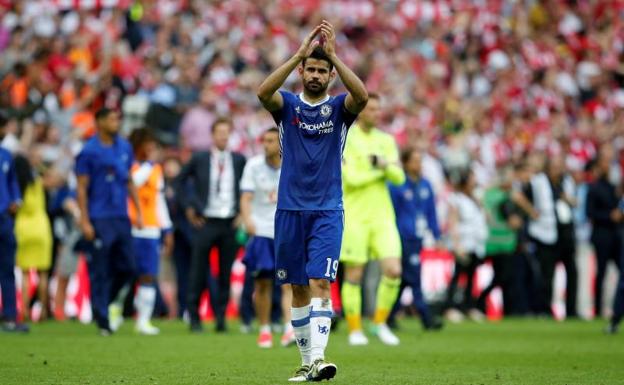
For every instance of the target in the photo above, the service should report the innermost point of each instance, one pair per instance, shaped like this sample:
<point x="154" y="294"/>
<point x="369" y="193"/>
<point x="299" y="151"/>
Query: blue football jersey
<point x="312" y="139"/>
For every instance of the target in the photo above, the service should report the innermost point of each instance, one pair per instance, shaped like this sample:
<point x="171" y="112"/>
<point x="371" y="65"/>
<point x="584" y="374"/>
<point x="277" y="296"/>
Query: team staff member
<point x="370" y="160"/>
<point x="104" y="185"/>
<point x="414" y="206"/>
<point x="10" y="200"/>
<point x="212" y="204"/>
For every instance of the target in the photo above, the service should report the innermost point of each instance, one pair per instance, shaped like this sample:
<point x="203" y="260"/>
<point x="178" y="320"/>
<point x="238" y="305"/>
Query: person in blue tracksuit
<point x="104" y="185"/>
<point x="414" y="205"/>
<point x="10" y="200"/>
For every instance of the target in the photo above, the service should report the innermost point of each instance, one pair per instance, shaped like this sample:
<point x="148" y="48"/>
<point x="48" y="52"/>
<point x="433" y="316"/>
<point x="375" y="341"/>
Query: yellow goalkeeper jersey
<point x="366" y="195"/>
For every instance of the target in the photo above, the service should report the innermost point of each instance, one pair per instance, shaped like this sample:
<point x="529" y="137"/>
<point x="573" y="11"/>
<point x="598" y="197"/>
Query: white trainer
<point x="301" y="374"/>
<point x="146" y="329"/>
<point x="386" y="335"/>
<point x="476" y="315"/>
<point x="357" y="338"/>
<point x="454" y="316"/>
<point x="115" y="317"/>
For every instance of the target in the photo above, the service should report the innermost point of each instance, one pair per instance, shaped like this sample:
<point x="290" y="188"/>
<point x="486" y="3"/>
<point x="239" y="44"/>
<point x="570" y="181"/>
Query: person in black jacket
<point x="208" y="187"/>
<point x="182" y="234"/>
<point x="603" y="212"/>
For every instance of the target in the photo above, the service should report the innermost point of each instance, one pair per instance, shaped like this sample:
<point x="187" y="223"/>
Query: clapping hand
<point x="328" y="38"/>
<point x="308" y="44"/>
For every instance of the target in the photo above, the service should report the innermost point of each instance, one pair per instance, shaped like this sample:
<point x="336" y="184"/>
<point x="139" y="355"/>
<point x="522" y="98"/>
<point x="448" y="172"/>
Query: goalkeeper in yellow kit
<point x="371" y="160"/>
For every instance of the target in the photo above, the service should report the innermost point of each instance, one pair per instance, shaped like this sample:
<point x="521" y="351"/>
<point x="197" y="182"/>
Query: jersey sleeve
<point x="347" y="116"/>
<point x="287" y="100"/>
<point x="247" y="183"/>
<point x="84" y="164"/>
<point x="130" y="153"/>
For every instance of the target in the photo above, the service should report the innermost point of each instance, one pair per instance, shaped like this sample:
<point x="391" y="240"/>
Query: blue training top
<point x="108" y="169"/>
<point x="414" y="205"/>
<point x="312" y="139"/>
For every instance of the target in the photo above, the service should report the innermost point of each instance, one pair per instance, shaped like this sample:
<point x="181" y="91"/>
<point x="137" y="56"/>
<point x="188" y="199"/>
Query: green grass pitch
<point x="509" y="352"/>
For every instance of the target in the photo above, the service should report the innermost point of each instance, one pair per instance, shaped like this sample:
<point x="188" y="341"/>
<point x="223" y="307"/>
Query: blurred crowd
<point x="504" y="89"/>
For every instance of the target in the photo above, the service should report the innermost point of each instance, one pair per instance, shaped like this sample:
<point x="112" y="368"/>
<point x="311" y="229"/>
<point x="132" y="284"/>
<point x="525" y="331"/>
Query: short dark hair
<point x="459" y="177"/>
<point x="272" y="129"/>
<point x="221" y="120"/>
<point x="319" y="53"/>
<point x="103" y="113"/>
<point x="407" y="152"/>
<point x="139" y="136"/>
<point x="373" y="95"/>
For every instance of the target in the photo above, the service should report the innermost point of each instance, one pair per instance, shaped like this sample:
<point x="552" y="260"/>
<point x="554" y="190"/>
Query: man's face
<point x="171" y="168"/>
<point x="371" y="114"/>
<point x="109" y="124"/>
<point x="270" y="142"/>
<point x="221" y="135"/>
<point x="316" y="76"/>
<point x="413" y="166"/>
<point x="556" y="167"/>
<point x="149" y="150"/>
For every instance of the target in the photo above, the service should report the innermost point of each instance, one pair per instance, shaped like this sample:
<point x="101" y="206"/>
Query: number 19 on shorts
<point x="332" y="268"/>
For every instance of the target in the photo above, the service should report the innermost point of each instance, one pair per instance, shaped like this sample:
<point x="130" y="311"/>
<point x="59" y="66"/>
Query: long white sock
<point x="144" y="303"/>
<point x="300" y="320"/>
<point x="320" y="325"/>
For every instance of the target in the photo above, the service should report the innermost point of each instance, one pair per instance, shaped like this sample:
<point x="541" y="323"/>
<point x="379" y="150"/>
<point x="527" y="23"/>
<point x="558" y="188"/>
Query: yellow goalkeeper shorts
<point x="363" y="241"/>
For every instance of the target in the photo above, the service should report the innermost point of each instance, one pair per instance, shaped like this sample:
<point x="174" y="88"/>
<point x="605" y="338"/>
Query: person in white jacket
<point x="468" y="234"/>
<point x="551" y="193"/>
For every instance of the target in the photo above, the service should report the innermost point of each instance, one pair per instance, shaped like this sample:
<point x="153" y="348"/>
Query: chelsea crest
<point x="326" y="110"/>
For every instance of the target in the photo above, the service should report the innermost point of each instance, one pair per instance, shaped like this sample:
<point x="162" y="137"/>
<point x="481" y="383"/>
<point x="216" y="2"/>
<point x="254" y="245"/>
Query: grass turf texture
<point x="509" y="352"/>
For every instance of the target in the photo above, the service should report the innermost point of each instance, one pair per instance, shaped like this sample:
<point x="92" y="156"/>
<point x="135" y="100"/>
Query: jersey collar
<point x="302" y="98"/>
<point x="102" y="144"/>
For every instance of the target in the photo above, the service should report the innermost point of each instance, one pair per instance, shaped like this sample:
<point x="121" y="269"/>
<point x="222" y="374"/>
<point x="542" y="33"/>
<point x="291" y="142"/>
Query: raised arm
<point x="358" y="96"/>
<point x="267" y="92"/>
